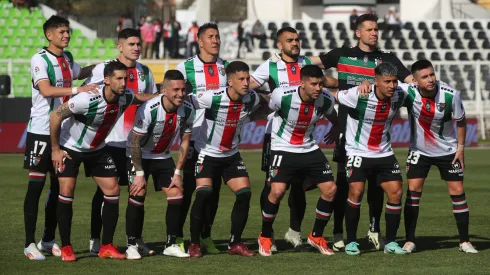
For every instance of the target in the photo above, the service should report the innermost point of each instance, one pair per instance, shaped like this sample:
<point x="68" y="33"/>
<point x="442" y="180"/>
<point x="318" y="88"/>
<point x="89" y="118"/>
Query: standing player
<point x="369" y="152"/>
<point x="431" y="107"/>
<point x="140" y="80"/>
<point x="52" y="70"/>
<point x="203" y="72"/>
<point x="226" y="112"/>
<point x="295" y="152"/>
<point x="157" y="123"/>
<point x="354" y="66"/>
<point x="91" y="118"/>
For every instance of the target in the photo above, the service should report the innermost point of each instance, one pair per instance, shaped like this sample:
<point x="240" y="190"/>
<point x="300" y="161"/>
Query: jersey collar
<point x="50" y="52"/>
<point x="207" y="62"/>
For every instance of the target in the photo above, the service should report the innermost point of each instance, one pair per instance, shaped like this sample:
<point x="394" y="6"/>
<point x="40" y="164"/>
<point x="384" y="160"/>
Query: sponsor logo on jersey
<point x="457" y="169"/>
<point x="397" y="168"/>
<point x="441" y="106"/>
<point x="110" y="165"/>
<point x="36" y="69"/>
<point x="383" y="107"/>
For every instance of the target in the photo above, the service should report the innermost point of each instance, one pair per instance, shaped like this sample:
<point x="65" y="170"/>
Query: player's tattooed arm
<point x="135" y="147"/>
<point x="86" y="71"/>
<point x="183" y="150"/>
<point x="334" y="132"/>
<point x="55" y="120"/>
<point x="142" y="98"/>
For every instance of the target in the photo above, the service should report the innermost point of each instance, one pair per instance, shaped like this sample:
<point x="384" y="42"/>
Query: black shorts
<point x="310" y="168"/>
<point x="37" y="155"/>
<point x="161" y="171"/>
<point x="339" y="153"/>
<point x="418" y="166"/>
<point x="384" y="169"/>
<point x="228" y="167"/>
<point x="97" y="164"/>
<point x="266" y="152"/>
<point x="190" y="163"/>
<point x="119" y="157"/>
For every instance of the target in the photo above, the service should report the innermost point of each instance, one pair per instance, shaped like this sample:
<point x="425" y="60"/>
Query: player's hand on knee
<point x="139" y="184"/>
<point x="459" y="156"/>
<point x="177" y="182"/>
<point x="58" y="157"/>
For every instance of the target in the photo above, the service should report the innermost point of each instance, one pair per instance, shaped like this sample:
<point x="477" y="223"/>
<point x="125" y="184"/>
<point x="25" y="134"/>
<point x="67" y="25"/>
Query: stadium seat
<point x="389" y="45"/>
<point x="450" y="26"/>
<point x="313" y="26"/>
<point x="285" y="24"/>
<point x="407" y="56"/>
<point x="305" y="44"/>
<point x="481" y="35"/>
<point x="308" y="53"/>
<point x="263" y="44"/>
<point x="477" y="25"/>
<point x="477" y="56"/>
<point x="488" y="57"/>
<point x="421" y="56"/>
<point x="416" y="45"/>
<point x="464" y="26"/>
<point x="403" y="44"/>
<point x="431" y="45"/>
<point x="426" y="35"/>
<point x="435" y="56"/>
<point x="326" y="26"/>
<point x="266" y="55"/>
<point x="315" y="35"/>
<point x="436" y="26"/>
<point x="272" y="26"/>
<point x="333" y="44"/>
<point x="329" y="35"/>
<point x="412" y="35"/>
<point x="109" y="43"/>
<point x="454" y="35"/>
<point x="449" y="56"/>
<point x="319" y="44"/>
<point x="466" y="68"/>
<point x="422" y="26"/>
<point x="467" y="35"/>
<point x="486" y="45"/>
<point x="408" y="26"/>
<point x="464" y="56"/>
<point x="488" y="26"/>
<point x="444" y="45"/>
<point x="385" y="35"/>
<point x="273" y="36"/>
<point x="340" y="26"/>
<point x="458" y="44"/>
<point x="397" y="34"/>
<point x="347" y="43"/>
<point x="343" y="35"/>
<point x="440" y="35"/>
<point x="302" y="35"/>
<point x="472" y="45"/>
<point x="299" y="26"/>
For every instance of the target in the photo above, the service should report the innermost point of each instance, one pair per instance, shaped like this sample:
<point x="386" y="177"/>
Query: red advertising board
<point x="13" y="135"/>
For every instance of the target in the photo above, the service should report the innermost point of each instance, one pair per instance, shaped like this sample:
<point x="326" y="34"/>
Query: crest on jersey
<point x="427" y="106"/>
<point x="307" y="108"/>
<point x="234" y="108"/>
<point x="63" y="64"/>
<point x="198" y="168"/>
<point x="365" y="60"/>
<point x="293" y="69"/>
<point x="170" y="121"/>
<point x="377" y="61"/>
<point x="141" y="76"/>
<point x="221" y="70"/>
<point x="383" y="107"/>
<point x="211" y="70"/>
<point x="35" y="159"/>
<point x="441" y="106"/>
<point x="131" y="76"/>
<point x="273" y="171"/>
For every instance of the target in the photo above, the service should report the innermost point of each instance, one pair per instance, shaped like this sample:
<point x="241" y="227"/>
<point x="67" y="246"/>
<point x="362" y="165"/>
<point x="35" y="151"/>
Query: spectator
<point x="20" y="4"/>
<point x="167" y="38"/>
<point x="158" y="38"/>
<point x="140" y="24"/>
<point x="119" y="24"/>
<point x="127" y="23"/>
<point x="392" y="20"/>
<point x="192" y="41"/>
<point x="175" y="38"/>
<point x="148" y="37"/>
<point x="369" y="11"/>
<point x="352" y="19"/>
<point x="258" y="31"/>
<point x="241" y="38"/>
<point x="61" y="12"/>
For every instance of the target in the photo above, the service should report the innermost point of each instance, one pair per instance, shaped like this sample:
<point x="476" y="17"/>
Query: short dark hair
<point x="285" y="29"/>
<point x="420" y="65"/>
<point x="54" y="22"/>
<point x="173" y="75"/>
<point x="386" y="69"/>
<point x="114" y="66"/>
<point x="210" y="25"/>
<point x="236" y="66"/>
<point x="366" y="17"/>
<point x="127" y="33"/>
<point x="311" y="71"/>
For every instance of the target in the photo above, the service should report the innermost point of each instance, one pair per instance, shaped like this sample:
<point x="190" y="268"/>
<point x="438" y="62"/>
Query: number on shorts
<point x="355" y="161"/>
<point x="200" y="159"/>
<point x="276" y="162"/>
<point x="42" y="147"/>
<point x="413" y="157"/>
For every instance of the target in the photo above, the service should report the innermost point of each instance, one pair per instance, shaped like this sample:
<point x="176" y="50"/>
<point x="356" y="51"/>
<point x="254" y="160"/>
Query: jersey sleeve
<point x="275" y="101"/>
<point x="349" y="97"/>
<point x="458" y="108"/>
<point x="97" y="75"/>
<point x="152" y="87"/>
<point x="329" y="102"/>
<point x="202" y="100"/>
<point x="256" y="99"/>
<point x="39" y="69"/>
<point x="190" y="121"/>
<point x="261" y="75"/>
<point x="331" y="59"/>
<point x="142" y="121"/>
<point x="76" y="70"/>
<point x="79" y="104"/>
<point x="403" y="72"/>
<point x="181" y="68"/>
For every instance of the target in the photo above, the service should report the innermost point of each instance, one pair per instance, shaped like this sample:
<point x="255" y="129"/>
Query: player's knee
<point x="243" y="196"/>
<point x="173" y="192"/>
<point x="395" y="195"/>
<point x="456" y="189"/>
<point x="203" y="193"/>
<point x="276" y="195"/>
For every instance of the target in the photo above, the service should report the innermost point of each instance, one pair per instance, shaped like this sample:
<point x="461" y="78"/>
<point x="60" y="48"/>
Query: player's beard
<point x="290" y="54"/>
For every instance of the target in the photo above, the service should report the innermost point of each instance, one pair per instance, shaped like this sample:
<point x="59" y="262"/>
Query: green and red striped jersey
<point x="93" y="118"/>
<point x="294" y="120"/>
<point x="281" y="73"/>
<point x="431" y="129"/>
<point x="219" y="134"/>
<point x="369" y="125"/>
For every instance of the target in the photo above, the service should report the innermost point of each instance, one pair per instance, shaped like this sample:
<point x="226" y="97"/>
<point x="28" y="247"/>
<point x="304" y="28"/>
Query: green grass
<point x="437" y="234"/>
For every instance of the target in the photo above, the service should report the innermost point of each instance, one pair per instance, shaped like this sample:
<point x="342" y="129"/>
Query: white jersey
<point x="203" y="77"/>
<point x="294" y="119"/>
<point x="431" y="129"/>
<point x="219" y="135"/>
<point x="159" y="127"/>
<point x="369" y="124"/>
<point x="92" y="120"/>
<point x="140" y="80"/>
<point x="279" y="74"/>
<point x="60" y="71"/>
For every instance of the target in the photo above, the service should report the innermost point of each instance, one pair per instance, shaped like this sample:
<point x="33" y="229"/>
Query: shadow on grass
<point x="442" y="242"/>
